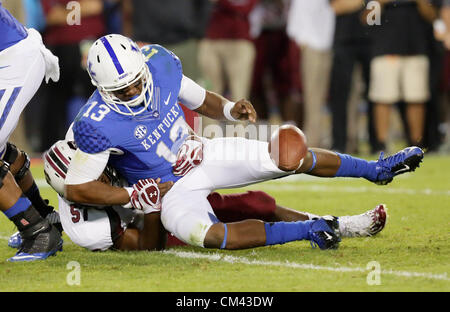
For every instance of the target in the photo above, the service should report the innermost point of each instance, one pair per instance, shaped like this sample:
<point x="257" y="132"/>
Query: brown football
<point x="287" y="147"/>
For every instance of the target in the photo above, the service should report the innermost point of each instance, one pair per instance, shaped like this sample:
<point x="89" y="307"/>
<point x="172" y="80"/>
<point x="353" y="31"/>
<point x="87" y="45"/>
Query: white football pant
<point x="22" y="68"/>
<point x="227" y="163"/>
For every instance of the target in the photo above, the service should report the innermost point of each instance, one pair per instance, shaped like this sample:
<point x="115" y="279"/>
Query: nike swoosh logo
<point x="4" y="66"/>
<point x="328" y="235"/>
<point x="168" y="98"/>
<point x="404" y="169"/>
<point x="38" y="230"/>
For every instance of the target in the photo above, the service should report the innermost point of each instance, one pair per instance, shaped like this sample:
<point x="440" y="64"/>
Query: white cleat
<point x="365" y="224"/>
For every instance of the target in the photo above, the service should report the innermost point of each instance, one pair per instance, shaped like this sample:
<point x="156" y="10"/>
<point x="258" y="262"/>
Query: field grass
<point x="412" y="252"/>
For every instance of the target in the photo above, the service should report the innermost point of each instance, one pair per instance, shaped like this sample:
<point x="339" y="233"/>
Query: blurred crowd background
<point x="356" y="76"/>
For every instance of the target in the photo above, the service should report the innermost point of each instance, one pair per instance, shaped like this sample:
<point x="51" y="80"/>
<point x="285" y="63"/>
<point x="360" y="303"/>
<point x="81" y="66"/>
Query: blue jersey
<point x="11" y="31"/>
<point x="145" y="145"/>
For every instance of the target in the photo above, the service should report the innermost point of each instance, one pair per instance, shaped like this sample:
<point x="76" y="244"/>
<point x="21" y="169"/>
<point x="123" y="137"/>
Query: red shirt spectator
<point x="234" y="14"/>
<point x="59" y="32"/>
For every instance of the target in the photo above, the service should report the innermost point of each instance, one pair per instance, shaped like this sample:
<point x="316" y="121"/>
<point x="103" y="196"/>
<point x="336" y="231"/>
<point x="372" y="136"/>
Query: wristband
<point x="130" y="191"/>
<point x="227" y="111"/>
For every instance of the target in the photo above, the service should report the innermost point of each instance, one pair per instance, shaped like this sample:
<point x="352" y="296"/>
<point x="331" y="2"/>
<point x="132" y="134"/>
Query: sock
<point x="34" y="196"/>
<point x="24" y="216"/>
<point x="356" y="167"/>
<point x="283" y="232"/>
<point x="21" y="205"/>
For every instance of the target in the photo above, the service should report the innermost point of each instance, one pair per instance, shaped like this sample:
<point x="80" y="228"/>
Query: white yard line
<point x="242" y="260"/>
<point x="294" y="265"/>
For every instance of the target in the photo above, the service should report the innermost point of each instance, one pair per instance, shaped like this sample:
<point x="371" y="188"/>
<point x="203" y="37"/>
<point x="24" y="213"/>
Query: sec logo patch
<point x="140" y="132"/>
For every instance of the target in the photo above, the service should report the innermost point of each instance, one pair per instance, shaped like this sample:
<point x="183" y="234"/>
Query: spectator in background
<point x="68" y="43"/>
<point x="276" y="79"/>
<point x="400" y="66"/>
<point x="445" y="14"/>
<point x="433" y="137"/>
<point x="311" y="26"/>
<point x="351" y="46"/>
<point x="178" y="25"/>
<point x="175" y="24"/>
<point x="227" y="54"/>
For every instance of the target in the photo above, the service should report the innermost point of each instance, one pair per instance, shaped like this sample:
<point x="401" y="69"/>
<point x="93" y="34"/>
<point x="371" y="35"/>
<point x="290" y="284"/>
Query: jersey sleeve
<point x="90" y="139"/>
<point x="192" y="95"/>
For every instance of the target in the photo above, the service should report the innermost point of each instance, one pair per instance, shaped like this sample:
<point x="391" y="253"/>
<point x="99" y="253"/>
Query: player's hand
<point x="189" y="156"/>
<point x="243" y="110"/>
<point x="146" y="196"/>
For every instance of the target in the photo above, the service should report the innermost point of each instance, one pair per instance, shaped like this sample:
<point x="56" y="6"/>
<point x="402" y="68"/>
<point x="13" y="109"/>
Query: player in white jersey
<point x="24" y="62"/>
<point x="126" y="101"/>
<point x="116" y="227"/>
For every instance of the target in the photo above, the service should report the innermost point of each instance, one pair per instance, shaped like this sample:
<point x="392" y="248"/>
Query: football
<point x="287" y="147"/>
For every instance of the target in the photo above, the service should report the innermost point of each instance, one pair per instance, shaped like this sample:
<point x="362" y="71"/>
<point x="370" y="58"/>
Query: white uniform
<point x="22" y="68"/>
<point x="92" y="228"/>
<point x="227" y="163"/>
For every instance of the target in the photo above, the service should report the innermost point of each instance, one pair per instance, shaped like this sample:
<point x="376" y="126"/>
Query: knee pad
<point x="11" y="154"/>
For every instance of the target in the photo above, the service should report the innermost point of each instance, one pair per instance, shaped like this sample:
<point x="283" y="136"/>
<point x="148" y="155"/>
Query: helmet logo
<point x="140" y="132"/>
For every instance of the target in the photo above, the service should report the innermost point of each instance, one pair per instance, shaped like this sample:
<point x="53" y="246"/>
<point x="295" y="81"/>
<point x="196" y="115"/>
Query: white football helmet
<point x="56" y="163"/>
<point x="116" y="62"/>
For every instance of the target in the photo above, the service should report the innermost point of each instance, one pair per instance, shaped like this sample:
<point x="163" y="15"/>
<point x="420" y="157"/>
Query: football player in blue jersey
<point x="24" y="62"/>
<point x="133" y="121"/>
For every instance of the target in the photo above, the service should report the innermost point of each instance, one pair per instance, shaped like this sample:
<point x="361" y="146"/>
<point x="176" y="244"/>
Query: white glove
<point x="189" y="156"/>
<point x="146" y="196"/>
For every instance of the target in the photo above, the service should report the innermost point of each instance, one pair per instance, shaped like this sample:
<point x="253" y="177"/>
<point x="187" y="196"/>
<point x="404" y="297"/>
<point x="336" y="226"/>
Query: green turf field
<point x="411" y="254"/>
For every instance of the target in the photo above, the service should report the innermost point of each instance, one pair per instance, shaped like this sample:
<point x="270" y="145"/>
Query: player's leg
<point x="20" y="168"/>
<point x="39" y="238"/>
<point x="260" y="205"/>
<point x="256" y="233"/>
<point x="151" y="236"/>
<point x="19" y="82"/>
<point x="324" y="163"/>
<point x="189" y="216"/>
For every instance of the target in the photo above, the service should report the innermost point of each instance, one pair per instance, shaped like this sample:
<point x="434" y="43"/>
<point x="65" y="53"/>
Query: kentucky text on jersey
<point x="162" y="127"/>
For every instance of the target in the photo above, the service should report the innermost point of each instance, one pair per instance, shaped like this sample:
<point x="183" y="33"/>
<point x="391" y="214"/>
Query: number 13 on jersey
<point x="178" y="133"/>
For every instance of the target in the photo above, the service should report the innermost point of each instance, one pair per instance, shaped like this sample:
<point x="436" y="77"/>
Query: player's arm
<point x="152" y="236"/>
<point x="214" y="105"/>
<point x="81" y="185"/>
